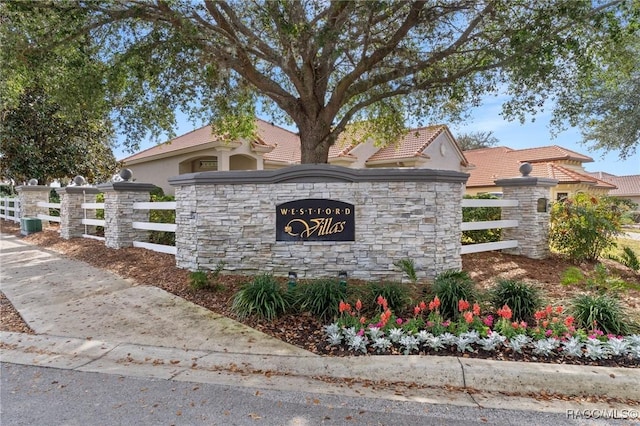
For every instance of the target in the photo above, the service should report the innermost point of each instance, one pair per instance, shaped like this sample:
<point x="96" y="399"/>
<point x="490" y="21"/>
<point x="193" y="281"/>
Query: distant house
<point x="627" y="186"/>
<point x="431" y="147"/>
<point x="553" y="162"/>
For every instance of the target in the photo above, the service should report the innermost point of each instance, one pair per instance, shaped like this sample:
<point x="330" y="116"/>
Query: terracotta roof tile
<point x="627" y="185"/>
<point x="411" y="145"/>
<point x="502" y="162"/>
<point x="550" y="153"/>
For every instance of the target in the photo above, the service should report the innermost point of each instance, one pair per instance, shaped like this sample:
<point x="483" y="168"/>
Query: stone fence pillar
<point x="71" y="211"/>
<point x="29" y="195"/>
<point x="119" y="214"/>
<point x="532" y="213"/>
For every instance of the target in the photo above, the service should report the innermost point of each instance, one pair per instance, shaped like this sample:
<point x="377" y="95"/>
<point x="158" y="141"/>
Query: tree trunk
<point x="315" y="142"/>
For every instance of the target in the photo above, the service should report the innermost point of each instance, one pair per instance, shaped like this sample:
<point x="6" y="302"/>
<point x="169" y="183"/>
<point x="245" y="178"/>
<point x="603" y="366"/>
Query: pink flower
<point x="548" y="333"/>
<point x="488" y="321"/>
<point x="358" y="305"/>
<point x="361" y="332"/>
<point x="399" y="321"/>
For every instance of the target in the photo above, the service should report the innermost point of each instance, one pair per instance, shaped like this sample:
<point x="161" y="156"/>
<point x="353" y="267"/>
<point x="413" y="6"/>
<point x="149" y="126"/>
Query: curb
<point x="431" y="371"/>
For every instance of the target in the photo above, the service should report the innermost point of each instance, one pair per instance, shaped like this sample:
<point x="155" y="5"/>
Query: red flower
<point x="468" y="317"/>
<point x="423" y="306"/>
<point x="559" y="310"/>
<point x="358" y="305"/>
<point x="463" y="305"/>
<point x="568" y="321"/>
<point x="416" y="310"/>
<point x="436" y="302"/>
<point x="539" y="315"/>
<point x="476" y="309"/>
<point x="505" y="312"/>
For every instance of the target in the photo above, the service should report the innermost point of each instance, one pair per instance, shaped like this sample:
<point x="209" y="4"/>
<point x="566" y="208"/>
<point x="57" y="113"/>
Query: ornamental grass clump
<point x="522" y="298"/>
<point x="451" y="287"/>
<point x="600" y="312"/>
<point x="263" y="297"/>
<point x="320" y="297"/>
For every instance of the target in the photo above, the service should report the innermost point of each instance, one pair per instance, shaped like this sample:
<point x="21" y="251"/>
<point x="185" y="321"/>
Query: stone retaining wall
<point x="399" y="213"/>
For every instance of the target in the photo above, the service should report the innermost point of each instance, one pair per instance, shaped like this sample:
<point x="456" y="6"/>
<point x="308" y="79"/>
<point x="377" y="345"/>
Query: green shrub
<point x="598" y="280"/>
<point x="584" y="225"/>
<point x="408" y="267"/>
<point x="162" y="216"/>
<point x="320" y="297"/>
<point x="396" y="294"/>
<point x="628" y="258"/>
<point x="198" y="280"/>
<point x="262" y="297"/>
<point x="450" y="287"/>
<point x="523" y="299"/>
<point x="481" y="214"/>
<point x="600" y="312"/>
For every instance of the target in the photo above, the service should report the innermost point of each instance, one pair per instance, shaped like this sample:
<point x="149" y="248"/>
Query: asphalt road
<point x="33" y="395"/>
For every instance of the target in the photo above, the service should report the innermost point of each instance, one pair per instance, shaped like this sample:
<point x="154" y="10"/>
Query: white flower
<point x="409" y="343"/>
<point x="448" y="339"/>
<point x="545" y="346"/>
<point x="424" y="335"/>
<point x="334" y="339"/>
<point x="395" y="334"/>
<point x="381" y="344"/>
<point x="434" y="342"/>
<point x="466" y="339"/>
<point x="358" y="343"/>
<point x="572" y="347"/>
<point x="617" y="346"/>
<point x="518" y="342"/>
<point x="375" y="332"/>
<point x="594" y="349"/>
<point x="331" y="328"/>
<point x="492" y="341"/>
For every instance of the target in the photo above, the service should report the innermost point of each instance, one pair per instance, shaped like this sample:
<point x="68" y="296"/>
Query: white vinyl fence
<point x="10" y="208"/>
<point x="152" y="226"/>
<point x="491" y="224"/>
<point x="49" y="217"/>
<point x="87" y="222"/>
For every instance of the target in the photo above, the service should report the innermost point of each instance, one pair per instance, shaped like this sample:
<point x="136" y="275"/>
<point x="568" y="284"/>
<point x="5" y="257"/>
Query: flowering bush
<point x="553" y="333"/>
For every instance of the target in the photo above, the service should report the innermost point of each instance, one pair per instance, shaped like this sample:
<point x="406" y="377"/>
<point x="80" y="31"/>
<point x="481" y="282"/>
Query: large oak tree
<point x="327" y="66"/>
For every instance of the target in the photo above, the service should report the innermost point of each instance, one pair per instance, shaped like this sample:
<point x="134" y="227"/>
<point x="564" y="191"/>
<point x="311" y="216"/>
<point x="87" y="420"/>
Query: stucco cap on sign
<point x="311" y="173"/>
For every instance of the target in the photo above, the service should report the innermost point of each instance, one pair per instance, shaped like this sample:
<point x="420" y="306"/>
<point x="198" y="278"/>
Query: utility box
<point x="30" y="225"/>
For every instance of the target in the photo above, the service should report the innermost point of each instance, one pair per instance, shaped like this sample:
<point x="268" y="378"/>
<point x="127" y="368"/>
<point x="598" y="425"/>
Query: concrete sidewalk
<point x="91" y="320"/>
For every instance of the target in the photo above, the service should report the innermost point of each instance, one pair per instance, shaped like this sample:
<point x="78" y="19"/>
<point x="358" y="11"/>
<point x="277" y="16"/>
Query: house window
<point x="561" y="196"/>
<point x="209" y="164"/>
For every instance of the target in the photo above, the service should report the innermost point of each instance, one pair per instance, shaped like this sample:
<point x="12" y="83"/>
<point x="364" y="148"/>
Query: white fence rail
<point x="488" y="224"/>
<point x="153" y="226"/>
<point x="10" y="208"/>
<point x="92" y="222"/>
<point x="48" y="217"/>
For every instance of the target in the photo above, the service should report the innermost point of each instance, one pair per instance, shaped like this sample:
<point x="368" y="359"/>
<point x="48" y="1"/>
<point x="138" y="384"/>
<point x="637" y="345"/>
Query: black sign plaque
<point x="315" y="220"/>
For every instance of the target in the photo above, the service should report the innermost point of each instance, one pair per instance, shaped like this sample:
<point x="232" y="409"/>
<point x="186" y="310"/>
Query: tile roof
<point x="287" y="144"/>
<point x="627" y="185"/>
<point x="551" y="153"/>
<point x="411" y="145"/>
<point x="502" y="162"/>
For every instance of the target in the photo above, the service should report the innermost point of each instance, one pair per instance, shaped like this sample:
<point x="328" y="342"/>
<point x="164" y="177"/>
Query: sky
<point x="513" y="134"/>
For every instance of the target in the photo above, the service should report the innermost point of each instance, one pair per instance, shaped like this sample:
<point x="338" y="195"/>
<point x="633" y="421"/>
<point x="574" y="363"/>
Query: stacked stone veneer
<point x="29" y="196"/>
<point x="532" y="232"/>
<point x="399" y="213"/>
<point x="119" y="213"/>
<point x="72" y="213"/>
